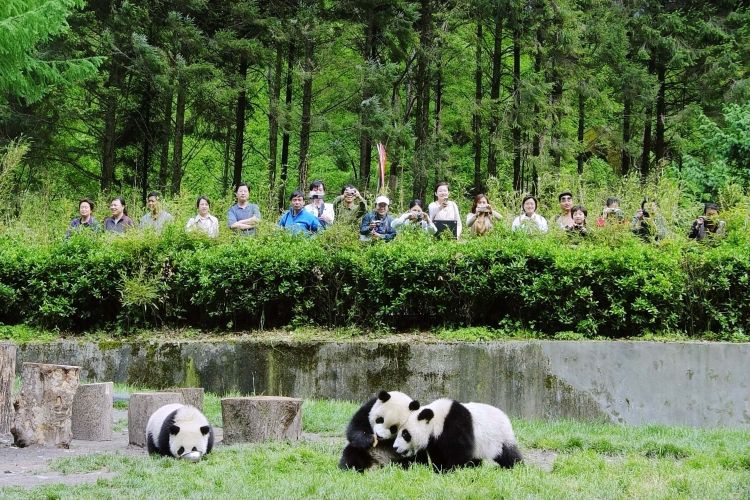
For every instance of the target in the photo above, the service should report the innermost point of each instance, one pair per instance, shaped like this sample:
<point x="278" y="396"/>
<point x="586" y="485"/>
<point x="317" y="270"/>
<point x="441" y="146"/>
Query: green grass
<point x="590" y="460"/>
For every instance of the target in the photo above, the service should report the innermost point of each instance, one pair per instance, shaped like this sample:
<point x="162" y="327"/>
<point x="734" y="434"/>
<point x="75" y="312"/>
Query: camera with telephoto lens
<point x="317" y="197"/>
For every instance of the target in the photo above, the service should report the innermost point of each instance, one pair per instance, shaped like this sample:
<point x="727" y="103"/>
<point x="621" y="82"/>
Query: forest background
<point x="129" y="96"/>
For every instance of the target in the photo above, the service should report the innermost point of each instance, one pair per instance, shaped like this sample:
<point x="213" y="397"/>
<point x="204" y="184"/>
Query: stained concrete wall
<point x="695" y="384"/>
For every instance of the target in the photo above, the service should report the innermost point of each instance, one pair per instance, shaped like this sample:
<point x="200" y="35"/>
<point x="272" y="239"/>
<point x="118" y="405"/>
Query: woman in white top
<point x="318" y="207"/>
<point x="204" y="221"/>
<point x="444" y="209"/>
<point x="529" y="220"/>
<point x="415" y="217"/>
<point x="482" y="216"/>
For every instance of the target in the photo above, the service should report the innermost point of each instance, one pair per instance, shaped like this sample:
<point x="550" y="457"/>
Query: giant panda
<point x="451" y="434"/>
<point x="179" y="431"/>
<point x="372" y="430"/>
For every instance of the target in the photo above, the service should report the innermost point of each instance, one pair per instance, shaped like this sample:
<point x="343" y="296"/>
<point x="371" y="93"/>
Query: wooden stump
<point x="92" y="412"/>
<point x="261" y="418"/>
<point x="140" y="408"/>
<point x="7" y="375"/>
<point x="192" y="396"/>
<point x="45" y="405"/>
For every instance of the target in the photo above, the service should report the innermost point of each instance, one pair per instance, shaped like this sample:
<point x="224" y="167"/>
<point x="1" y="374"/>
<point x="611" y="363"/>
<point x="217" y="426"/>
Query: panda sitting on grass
<point x="372" y="431"/>
<point x="179" y="431"/>
<point x="450" y="434"/>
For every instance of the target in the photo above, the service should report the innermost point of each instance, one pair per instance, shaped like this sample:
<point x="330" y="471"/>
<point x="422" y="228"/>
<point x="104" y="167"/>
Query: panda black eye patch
<point x="406" y="435"/>
<point x="379" y="420"/>
<point x="181" y="450"/>
<point x="394" y="429"/>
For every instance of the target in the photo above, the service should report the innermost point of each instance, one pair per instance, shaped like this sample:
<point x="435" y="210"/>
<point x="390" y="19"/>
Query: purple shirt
<point x="120" y="226"/>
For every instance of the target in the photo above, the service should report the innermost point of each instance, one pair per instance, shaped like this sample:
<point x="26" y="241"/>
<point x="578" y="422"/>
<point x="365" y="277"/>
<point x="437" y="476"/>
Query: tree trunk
<point x="239" y="122"/>
<point x="45" y="406"/>
<point x="273" y="118"/>
<point x="227" y="159"/>
<point x="91" y="418"/>
<point x="179" y="133"/>
<point x="365" y="139"/>
<point x="437" y="112"/>
<point x="625" y="161"/>
<point x="516" y="107"/>
<point x="422" y="118"/>
<point x="581" y="128"/>
<point x="146" y="99"/>
<point x="261" y="418"/>
<point x="285" y="136"/>
<point x="557" y="117"/>
<point x="109" y="138"/>
<point x="497" y="66"/>
<point x="166" y="134"/>
<point x="661" y="113"/>
<point x="647" y="119"/>
<point x="476" y="119"/>
<point x="304" y="135"/>
<point x="7" y="376"/>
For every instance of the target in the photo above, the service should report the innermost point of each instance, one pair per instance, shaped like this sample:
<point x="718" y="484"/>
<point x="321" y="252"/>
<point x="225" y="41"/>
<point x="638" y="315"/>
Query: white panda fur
<point x="372" y="430"/>
<point x="450" y="434"/>
<point x="175" y="430"/>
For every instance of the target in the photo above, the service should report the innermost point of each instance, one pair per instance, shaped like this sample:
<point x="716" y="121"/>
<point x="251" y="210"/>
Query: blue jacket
<point x="385" y="228"/>
<point x="304" y="222"/>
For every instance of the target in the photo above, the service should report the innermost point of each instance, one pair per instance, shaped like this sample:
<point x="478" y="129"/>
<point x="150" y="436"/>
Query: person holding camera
<point x="378" y="224"/>
<point x="707" y="224"/>
<point x="318" y="207"/>
<point x="480" y="219"/>
<point x="648" y="222"/>
<point x="611" y="213"/>
<point x="415" y="217"/>
<point x="579" y="214"/>
<point x="444" y="212"/>
<point x="349" y="205"/>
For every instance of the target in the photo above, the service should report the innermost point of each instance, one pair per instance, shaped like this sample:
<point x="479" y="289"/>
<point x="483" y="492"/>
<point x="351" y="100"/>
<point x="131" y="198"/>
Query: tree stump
<point x="142" y="405"/>
<point x="7" y="375"/>
<point x="45" y="405"/>
<point x="261" y="418"/>
<point x="92" y="412"/>
<point x="193" y="396"/>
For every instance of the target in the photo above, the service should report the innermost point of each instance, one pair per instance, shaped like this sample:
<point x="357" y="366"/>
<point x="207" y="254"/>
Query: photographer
<point x="349" y="205"/>
<point x="481" y="217"/>
<point x="648" y="222"/>
<point x="317" y="206"/>
<point x="415" y="217"/>
<point x="611" y="213"/>
<point x="378" y="224"/>
<point x="708" y="224"/>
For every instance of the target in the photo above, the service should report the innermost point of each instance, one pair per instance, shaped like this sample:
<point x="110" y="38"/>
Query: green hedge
<point x="601" y="286"/>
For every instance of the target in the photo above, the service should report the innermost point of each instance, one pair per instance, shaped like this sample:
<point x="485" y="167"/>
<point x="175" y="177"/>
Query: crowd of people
<point x="309" y="213"/>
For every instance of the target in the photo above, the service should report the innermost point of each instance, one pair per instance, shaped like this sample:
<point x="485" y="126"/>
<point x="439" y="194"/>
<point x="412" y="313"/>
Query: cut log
<point x="192" y="396"/>
<point x="92" y="412"/>
<point x="7" y="376"/>
<point x="261" y="418"/>
<point x="140" y="408"/>
<point x="45" y="405"/>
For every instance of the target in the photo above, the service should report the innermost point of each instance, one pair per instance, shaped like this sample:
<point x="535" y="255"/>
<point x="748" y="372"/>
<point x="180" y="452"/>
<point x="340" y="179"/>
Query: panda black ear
<point x="414" y="405"/>
<point x="426" y="414"/>
<point x="174" y="430"/>
<point x="384" y="396"/>
<point x="204" y="430"/>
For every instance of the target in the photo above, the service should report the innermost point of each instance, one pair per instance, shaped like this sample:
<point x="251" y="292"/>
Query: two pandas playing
<point x="394" y="428"/>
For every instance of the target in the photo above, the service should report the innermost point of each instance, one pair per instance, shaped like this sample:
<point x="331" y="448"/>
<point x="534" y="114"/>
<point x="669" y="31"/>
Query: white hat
<point x="382" y="199"/>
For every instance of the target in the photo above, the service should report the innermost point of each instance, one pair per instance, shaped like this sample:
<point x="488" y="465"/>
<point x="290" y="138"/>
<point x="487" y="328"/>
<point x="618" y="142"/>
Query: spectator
<point x="415" y="217"/>
<point x="529" y="220"/>
<point x="709" y="224"/>
<point x="444" y="212"/>
<point x="611" y="213"/>
<point x="349" y="205"/>
<point x="297" y="220"/>
<point x="85" y="219"/>
<point x="378" y="224"/>
<point x="565" y="219"/>
<point x="204" y="221"/>
<point x="318" y="207"/>
<point x="118" y="222"/>
<point x="579" y="214"/>
<point x="155" y="218"/>
<point x="243" y="217"/>
<point x="648" y="222"/>
<point x="481" y="217"/>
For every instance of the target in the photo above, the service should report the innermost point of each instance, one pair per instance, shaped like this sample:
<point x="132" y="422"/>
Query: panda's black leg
<point x="355" y="458"/>
<point x="150" y="445"/>
<point x="510" y="456"/>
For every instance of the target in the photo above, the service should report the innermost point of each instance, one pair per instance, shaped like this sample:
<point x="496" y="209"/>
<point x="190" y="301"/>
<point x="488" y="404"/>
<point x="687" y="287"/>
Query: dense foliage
<point x="199" y="94"/>
<point x="610" y="284"/>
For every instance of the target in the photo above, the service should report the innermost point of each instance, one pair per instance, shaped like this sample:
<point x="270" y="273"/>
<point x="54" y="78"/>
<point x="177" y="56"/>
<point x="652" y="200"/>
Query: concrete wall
<point x="695" y="384"/>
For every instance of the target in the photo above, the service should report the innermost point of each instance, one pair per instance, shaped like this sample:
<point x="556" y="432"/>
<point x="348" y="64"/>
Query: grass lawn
<point x="588" y="460"/>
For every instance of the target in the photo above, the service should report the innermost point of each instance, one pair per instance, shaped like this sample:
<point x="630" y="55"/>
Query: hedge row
<point x="545" y="284"/>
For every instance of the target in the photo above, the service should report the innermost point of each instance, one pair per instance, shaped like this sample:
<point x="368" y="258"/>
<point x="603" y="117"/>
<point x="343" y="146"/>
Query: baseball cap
<point x="382" y="199"/>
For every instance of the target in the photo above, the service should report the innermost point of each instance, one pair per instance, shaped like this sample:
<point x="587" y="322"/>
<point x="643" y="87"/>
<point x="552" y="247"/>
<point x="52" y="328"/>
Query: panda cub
<point x="372" y="430"/>
<point x="179" y="431"/>
<point x="458" y="435"/>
